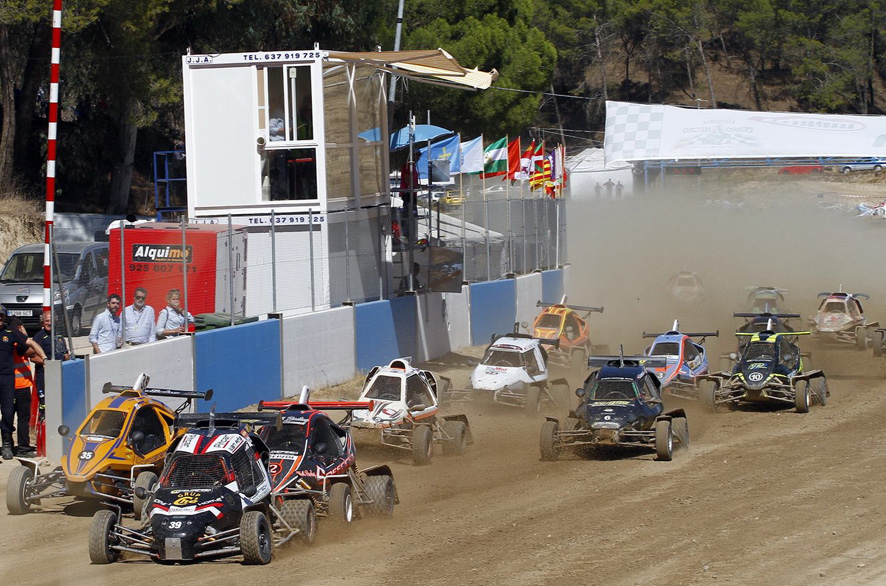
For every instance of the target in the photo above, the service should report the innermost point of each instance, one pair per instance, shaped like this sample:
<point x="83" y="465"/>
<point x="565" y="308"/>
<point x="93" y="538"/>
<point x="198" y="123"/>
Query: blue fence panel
<point x="384" y="330"/>
<point x="241" y="364"/>
<point x="493" y="309"/>
<point x="73" y="395"/>
<point x="552" y="285"/>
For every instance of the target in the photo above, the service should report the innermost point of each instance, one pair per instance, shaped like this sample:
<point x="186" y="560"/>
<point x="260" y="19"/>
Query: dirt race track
<point x="763" y="496"/>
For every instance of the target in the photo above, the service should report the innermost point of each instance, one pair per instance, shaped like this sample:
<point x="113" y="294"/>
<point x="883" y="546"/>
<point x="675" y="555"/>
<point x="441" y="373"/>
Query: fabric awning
<point x="428" y="66"/>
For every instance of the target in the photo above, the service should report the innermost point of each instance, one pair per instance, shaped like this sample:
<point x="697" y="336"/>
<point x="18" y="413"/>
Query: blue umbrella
<point x="423" y="132"/>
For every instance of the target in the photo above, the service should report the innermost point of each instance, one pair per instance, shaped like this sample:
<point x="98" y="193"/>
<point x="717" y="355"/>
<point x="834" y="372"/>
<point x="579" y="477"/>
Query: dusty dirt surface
<point x="763" y="495"/>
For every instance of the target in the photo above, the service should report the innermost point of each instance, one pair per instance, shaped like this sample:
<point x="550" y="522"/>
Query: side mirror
<point x="580" y="392"/>
<point x="249" y="490"/>
<point x="524" y="325"/>
<point x="136" y="437"/>
<point x="140" y="492"/>
<point x="733" y="356"/>
<point x="532" y="369"/>
<point x="472" y="362"/>
<point x="64" y="430"/>
<point x="418" y="407"/>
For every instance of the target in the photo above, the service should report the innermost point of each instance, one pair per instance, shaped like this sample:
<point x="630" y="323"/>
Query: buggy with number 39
<point x="213" y="500"/>
<point x="620" y="406"/>
<point x="314" y="470"/>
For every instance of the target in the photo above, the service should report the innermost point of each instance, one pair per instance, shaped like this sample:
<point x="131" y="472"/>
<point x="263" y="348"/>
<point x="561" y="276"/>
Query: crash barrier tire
<point x="148" y="481"/>
<point x="681" y="431"/>
<point x="533" y="400"/>
<point x="822" y="394"/>
<point x="458" y="431"/>
<point x="548" y="441"/>
<point x="664" y="440"/>
<point x="877" y="343"/>
<point x="422" y="445"/>
<point x="380" y="490"/>
<point x="300" y="514"/>
<point x="341" y="504"/>
<point x="861" y="338"/>
<point x="17" y="488"/>
<point x="256" y="543"/>
<point x="802" y="396"/>
<point x="707" y="394"/>
<point x="100" y="538"/>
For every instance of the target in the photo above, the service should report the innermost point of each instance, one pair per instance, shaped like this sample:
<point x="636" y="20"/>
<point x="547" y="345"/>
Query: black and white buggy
<point x="213" y="500"/>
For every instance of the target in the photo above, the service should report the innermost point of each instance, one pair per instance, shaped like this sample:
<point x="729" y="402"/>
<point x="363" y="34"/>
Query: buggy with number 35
<point x="620" y="406"/>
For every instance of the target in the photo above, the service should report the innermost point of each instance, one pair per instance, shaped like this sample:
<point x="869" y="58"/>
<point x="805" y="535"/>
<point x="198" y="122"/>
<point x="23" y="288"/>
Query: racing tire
<point x="256" y="543"/>
<point x="664" y="440"/>
<point x="148" y="481"/>
<point x="533" y="400"/>
<point x="300" y="514"/>
<point x="802" y="396"/>
<point x="821" y="397"/>
<point x="861" y="338"/>
<point x="381" y="490"/>
<point x="547" y="441"/>
<point x="101" y="538"/>
<point x="17" y="489"/>
<point x="422" y="445"/>
<point x="458" y="431"/>
<point x="877" y="343"/>
<point x="707" y="394"/>
<point x="681" y="431"/>
<point x="341" y="504"/>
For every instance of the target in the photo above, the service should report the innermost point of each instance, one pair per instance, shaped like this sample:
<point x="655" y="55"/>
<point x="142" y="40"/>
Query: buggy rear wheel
<point x="255" y="538"/>
<point x="458" y="445"/>
<point x="300" y="514"/>
<point x="148" y="481"/>
<point x="550" y="449"/>
<point x="533" y="400"/>
<point x="802" y="396"/>
<point x="877" y="342"/>
<point x="821" y="396"/>
<point x="341" y="504"/>
<point x="422" y="445"/>
<point x="861" y="338"/>
<point x="664" y="440"/>
<point x="381" y="490"/>
<point x="101" y="538"/>
<point x="18" y="489"/>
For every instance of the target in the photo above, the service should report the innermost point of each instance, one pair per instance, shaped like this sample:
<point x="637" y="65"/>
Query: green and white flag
<point x="495" y="158"/>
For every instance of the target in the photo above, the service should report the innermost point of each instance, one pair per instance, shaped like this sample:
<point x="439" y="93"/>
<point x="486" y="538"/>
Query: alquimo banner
<point x="638" y="132"/>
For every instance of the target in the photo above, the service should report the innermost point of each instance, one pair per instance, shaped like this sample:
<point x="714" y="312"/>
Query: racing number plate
<point x="173" y="548"/>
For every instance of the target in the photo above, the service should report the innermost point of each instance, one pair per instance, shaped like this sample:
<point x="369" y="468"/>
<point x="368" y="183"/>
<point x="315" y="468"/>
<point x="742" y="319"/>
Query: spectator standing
<point x="106" y="334"/>
<point x="619" y="188"/>
<point x="139" y="320"/>
<point x="59" y="352"/>
<point x="609" y="185"/>
<point x="11" y="342"/>
<point x="598" y="190"/>
<point x="171" y="320"/>
<point x="24" y="389"/>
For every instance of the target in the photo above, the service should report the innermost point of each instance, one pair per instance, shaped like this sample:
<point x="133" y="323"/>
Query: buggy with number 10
<point x="620" y="407"/>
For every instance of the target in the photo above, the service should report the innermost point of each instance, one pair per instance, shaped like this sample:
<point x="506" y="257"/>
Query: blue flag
<point x="446" y="150"/>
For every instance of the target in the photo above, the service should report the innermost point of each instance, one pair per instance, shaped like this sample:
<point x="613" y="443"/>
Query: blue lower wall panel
<point x="493" y="310"/>
<point x="73" y="393"/>
<point x="240" y="364"/>
<point x="552" y="285"/>
<point x="385" y="330"/>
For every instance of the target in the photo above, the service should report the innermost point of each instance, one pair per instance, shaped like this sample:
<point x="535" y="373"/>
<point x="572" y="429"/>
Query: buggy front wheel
<point x="148" y="481"/>
<point x="341" y="504"/>
<point x="802" y="396"/>
<point x="458" y="444"/>
<point x="550" y="450"/>
<point x="18" y="489"/>
<point x="101" y="539"/>
<point x="255" y="538"/>
<point x="707" y="394"/>
<point x="422" y="445"/>
<point x="664" y="440"/>
<point x="533" y="400"/>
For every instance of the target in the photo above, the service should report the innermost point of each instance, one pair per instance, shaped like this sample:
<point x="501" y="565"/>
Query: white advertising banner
<point x="638" y="132"/>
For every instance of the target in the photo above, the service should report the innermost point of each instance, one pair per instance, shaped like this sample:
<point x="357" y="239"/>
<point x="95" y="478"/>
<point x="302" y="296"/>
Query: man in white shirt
<point x="106" y="334"/>
<point x="139" y="320"/>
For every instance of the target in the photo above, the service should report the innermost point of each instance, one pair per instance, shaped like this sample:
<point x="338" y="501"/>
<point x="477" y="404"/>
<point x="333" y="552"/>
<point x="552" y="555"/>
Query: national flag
<point x="539" y="178"/>
<point x="495" y="158"/>
<point x="513" y="158"/>
<point x="526" y="163"/>
<point x="538" y="158"/>
<point x="472" y="155"/>
<point x="445" y="150"/>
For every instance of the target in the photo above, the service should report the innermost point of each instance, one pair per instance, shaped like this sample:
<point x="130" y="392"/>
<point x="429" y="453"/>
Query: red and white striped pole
<point x="50" y="152"/>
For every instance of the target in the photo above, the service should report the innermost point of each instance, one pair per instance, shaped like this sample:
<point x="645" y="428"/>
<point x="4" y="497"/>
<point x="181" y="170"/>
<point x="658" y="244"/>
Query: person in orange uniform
<point x="24" y="388"/>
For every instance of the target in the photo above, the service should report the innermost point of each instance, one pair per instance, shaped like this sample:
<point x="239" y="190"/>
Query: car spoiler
<point x="156" y="392"/>
<point x="766" y="314"/>
<point x="572" y="307"/>
<point x="234" y="419"/>
<point x="772" y="333"/>
<point x="689" y="334"/>
<point x="621" y="361"/>
<point x="284" y="406"/>
<point x="824" y="294"/>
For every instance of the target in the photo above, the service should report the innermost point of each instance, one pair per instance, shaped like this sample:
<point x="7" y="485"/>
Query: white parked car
<point x="875" y="165"/>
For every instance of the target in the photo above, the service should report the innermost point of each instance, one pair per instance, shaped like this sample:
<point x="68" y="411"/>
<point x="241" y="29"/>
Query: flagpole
<point x="486" y="223"/>
<point x="508" y="199"/>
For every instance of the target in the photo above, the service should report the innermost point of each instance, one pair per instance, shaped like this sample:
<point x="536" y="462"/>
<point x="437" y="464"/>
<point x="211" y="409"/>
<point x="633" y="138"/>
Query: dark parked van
<point x="83" y="267"/>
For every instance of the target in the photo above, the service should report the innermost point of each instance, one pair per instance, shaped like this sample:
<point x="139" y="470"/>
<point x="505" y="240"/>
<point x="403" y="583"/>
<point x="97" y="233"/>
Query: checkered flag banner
<point x="638" y="132"/>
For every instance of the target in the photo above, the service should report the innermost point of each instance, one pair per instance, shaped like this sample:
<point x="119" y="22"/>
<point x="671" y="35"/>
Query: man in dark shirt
<point x="10" y="341"/>
<point x="44" y="338"/>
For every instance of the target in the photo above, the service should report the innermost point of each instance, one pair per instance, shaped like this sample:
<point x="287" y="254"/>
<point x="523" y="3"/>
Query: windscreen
<point x="665" y="349"/>
<point x="497" y="357"/>
<point x="289" y="438"/>
<point x="385" y="388"/>
<point x="187" y="471"/>
<point x="549" y="321"/>
<point x="104" y="423"/>
<point x="614" y="390"/>
<point x="28" y="268"/>
<point x="759" y="351"/>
